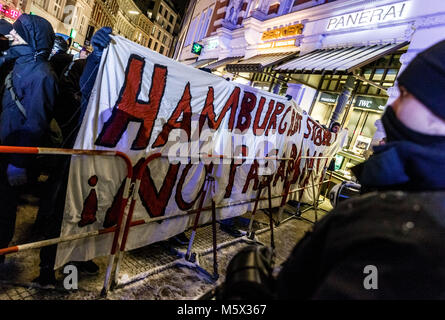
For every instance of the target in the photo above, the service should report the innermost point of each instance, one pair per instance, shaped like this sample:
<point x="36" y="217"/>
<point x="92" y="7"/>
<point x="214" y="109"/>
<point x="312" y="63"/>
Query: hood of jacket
<point x="37" y="32"/>
<point x="404" y="165"/>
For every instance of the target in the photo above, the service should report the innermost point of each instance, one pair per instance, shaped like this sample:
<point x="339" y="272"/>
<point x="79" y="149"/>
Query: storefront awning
<point x="338" y="60"/>
<point x="223" y="62"/>
<point x="202" y="63"/>
<point x="260" y="62"/>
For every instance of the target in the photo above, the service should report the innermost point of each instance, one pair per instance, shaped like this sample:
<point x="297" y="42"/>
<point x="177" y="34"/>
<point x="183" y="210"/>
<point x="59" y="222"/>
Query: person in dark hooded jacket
<point x="390" y="242"/>
<point x="5" y="63"/>
<point x="60" y="58"/>
<point x="76" y="83"/>
<point x="27" y="106"/>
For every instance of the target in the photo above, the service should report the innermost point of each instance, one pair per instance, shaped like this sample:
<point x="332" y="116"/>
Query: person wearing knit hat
<point x="27" y="107"/>
<point x="388" y="243"/>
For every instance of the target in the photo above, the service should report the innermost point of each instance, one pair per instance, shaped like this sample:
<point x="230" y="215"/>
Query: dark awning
<point x="202" y="63"/>
<point x="338" y="60"/>
<point x="260" y="62"/>
<point x="223" y="62"/>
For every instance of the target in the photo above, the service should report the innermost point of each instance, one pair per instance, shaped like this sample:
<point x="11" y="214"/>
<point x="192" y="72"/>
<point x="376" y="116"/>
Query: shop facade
<point x="338" y="60"/>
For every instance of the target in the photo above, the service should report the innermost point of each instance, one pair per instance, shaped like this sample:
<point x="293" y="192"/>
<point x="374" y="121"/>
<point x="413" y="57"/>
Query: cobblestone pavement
<point x="176" y="282"/>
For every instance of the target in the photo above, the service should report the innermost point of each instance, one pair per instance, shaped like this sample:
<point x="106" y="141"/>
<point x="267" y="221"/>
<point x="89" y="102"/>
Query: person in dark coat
<point x="60" y="58"/>
<point x="75" y="86"/>
<point x="390" y="242"/>
<point x="6" y="64"/>
<point x="27" y="107"/>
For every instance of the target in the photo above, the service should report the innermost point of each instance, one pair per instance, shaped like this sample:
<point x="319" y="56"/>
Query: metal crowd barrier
<point x="115" y="229"/>
<point x="189" y="258"/>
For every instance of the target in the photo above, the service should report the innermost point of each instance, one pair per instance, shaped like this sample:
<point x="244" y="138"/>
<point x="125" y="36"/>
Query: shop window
<point x="369" y="128"/>
<point x="373" y="90"/>
<point x="324" y="86"/>
<point x="391" y="75"/>
<point x="395" y="61"/>
<point x="363" y="88"/>
<point x="378" y="75"/>
<point x="353" y="122"/>
<point x="341" y="85"/>
<point x="333" y="85"/>
<point x="367" y="73"/>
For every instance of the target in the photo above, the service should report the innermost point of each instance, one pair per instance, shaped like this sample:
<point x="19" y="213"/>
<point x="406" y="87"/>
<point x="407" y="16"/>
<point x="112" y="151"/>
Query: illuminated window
<point x="42" y="3"/>
<point x="57" y="8"/>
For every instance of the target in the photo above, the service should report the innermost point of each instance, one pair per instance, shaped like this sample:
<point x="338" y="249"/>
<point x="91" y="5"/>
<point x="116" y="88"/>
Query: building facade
<point x="104" y="14"/>
<point x="165" y="18"/>
<point x="69" y="18"/>
<point x="338" y="59"/>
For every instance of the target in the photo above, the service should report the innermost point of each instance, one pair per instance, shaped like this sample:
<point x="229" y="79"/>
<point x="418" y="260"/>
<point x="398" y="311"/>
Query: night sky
<point x="180" y="5"/>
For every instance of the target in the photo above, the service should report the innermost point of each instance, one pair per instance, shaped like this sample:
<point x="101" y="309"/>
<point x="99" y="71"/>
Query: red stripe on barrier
<point x="29" y="150"/>
<point x="9" y="250"/>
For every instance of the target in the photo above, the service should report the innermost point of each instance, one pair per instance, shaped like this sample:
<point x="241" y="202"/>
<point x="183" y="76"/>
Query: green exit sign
<point x="197" y="48"/>
<point x="73" y="33"/>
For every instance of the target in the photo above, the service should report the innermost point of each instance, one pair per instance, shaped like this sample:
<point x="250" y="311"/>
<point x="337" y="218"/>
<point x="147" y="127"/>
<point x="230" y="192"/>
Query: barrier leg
<point x="313" y="195"/>
<point x="272" y="242"/>
<point x="117" y="235"/>
<point x="284" y="199"/>
<point x="188" y="255"/>
<point x="215" y="249"/>
<point x="126" y="231"/>
<point x="250" y="232"/>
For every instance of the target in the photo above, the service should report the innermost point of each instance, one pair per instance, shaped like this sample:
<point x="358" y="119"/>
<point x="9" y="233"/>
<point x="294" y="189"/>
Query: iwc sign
<point x="368" y="17"/>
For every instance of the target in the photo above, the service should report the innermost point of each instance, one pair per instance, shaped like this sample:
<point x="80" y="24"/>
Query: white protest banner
<point x="143" y="103"/>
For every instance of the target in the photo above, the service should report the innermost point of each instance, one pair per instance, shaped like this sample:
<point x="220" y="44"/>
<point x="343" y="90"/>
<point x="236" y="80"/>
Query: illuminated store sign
<point x="368" y="17"/>
<point x="212" y="44"/>
<point x="9" y="13"/>
<point x="328" y="97"/>
<point x="376" y="104"/>
<point x="283" y="32"/>
<point x="197" y="48"/>
<point x="277" y="44"/>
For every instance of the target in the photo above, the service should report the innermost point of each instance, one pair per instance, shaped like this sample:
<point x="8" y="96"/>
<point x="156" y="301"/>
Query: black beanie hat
<point x="424" y="78"/>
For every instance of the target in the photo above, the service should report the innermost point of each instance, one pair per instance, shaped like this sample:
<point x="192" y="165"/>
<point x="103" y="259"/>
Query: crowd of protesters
<point x="44" y="91"/>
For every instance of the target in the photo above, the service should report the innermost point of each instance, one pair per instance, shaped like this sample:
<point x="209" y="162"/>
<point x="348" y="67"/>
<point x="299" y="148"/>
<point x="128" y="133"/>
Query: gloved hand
<point x="100" y="40"/>
<point x="16" y="176"/>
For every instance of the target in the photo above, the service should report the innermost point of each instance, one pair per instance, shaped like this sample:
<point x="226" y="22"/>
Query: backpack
<point x="53" y="137"/>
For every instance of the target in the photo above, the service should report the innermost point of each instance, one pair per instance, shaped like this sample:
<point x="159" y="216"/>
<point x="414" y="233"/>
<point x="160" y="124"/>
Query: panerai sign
<point x="368" y="17"/>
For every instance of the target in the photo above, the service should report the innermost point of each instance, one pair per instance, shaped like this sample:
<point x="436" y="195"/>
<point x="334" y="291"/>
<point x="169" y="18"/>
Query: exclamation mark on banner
<point x="89" y="211"/>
